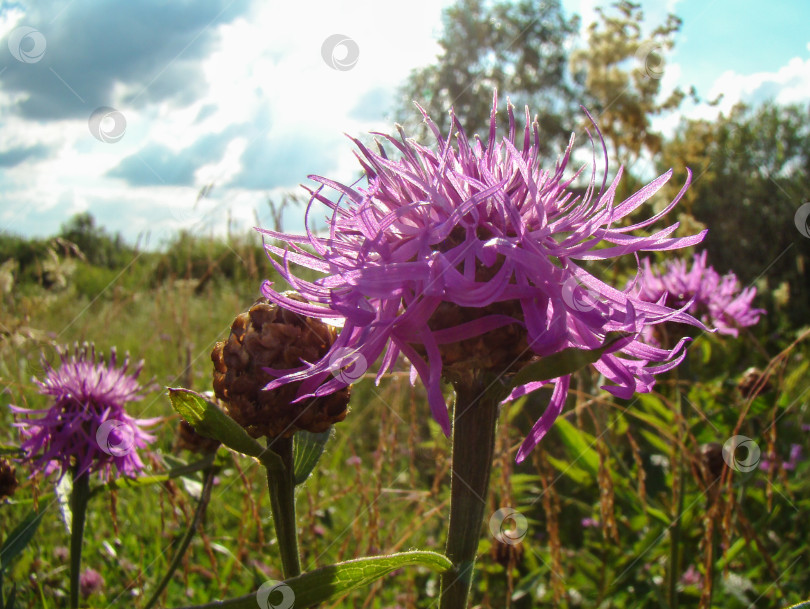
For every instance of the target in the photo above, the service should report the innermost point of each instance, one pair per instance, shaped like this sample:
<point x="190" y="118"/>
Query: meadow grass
<point x="635" y="469"/>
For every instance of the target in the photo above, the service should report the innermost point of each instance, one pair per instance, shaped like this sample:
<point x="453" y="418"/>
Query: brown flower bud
<point x="752" y="384"/>
<point x="8" y="479"/>
<point x="268" y="336"/>
<point x="711" y="456"/>
<point x="189" y="439"/>
<point x="508" y="555"/>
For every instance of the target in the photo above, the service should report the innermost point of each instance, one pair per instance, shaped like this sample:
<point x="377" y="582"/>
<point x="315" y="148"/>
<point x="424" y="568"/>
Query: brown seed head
<point x="268" y="336"/>
<point x="8" y="478"/>
<point x="753" y="384"/>
<point x="711" y="455"/>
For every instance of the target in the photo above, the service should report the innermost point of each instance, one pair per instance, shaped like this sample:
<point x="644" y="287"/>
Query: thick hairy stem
<point x="474" y="420"/>
<point x="282" y="503"/>
<point x="79" y="497"/>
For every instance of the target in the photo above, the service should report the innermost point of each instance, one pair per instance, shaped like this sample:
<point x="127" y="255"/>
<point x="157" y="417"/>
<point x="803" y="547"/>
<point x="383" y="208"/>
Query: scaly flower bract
<point x="87" y="428"/>
<point x="468" y="259"/>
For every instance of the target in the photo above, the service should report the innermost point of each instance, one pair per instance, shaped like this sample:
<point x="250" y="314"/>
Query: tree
<point x="98" y="247"/>
<point x="518" y="48"/>
<point x="751" y="173"/>
<point x="621" y="70"/>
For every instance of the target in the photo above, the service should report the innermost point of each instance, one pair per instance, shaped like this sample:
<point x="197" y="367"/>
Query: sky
<point x="130" y="110"/>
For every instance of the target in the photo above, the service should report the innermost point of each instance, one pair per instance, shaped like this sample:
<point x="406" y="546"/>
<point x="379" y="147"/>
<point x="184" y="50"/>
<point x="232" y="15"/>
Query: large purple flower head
<point x="467" y="259"/>
<point x="717" y="300"/>
<point x="87" y="428"/>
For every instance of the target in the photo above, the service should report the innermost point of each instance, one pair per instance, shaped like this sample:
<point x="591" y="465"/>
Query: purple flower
<point x="691" y="577"/>
<point x="467" y="260"/>
<point x="90" y="582"/>
<point x="716" y="300"/>
<point x="789" y="465"/>
<point x="87" y="428"/>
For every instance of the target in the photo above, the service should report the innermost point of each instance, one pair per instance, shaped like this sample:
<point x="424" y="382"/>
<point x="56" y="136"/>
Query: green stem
<point x="79" y="497"/>
<point x="205" y="496"/>
<point x="475" y="416"/>
<point x="282" y="504"/>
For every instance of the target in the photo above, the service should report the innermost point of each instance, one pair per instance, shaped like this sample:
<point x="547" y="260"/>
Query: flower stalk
<point x="79" y="497"/>
<point x="281" y="484"/>
<point x="475" y="417"/>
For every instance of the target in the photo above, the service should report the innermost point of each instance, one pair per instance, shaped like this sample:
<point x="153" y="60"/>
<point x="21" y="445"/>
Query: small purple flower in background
<point x="589" y="523"/>
<point x="692" y="577"/>
<point x="716" y="300"/>
<point x="90" y="582"/>
<point x="87" y="428"/>
<point x="467" y="261"/>
<point x="789" y="465"/>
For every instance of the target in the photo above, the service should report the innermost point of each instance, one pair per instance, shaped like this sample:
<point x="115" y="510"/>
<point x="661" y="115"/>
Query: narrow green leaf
<point x="565" y="362"/>
<point x="19" y="538"/>
<point x="208" y="420"/>
<point x="307" y="450"/>
<point x="656" y="441"/>
<point x="580" y="476"/>
<point x="11" y="601"/>
<point x="332" y="582"/>
<point x="580" y="444"/>
<point x="181" y="470"/>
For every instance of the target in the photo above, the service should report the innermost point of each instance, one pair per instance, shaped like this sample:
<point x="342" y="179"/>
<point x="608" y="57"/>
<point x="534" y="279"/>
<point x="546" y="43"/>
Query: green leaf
<point x="19" y="538"/>
<point x="580" y="476"/>
<point x="179" y="470"/>
<point x="208" y="420"/>
<point x="579" y="443"/>
<point x="11" y="601"/>
<point x="332" y="582"/>
<point x="307" y="450"/>
<point x="565" y="362"/>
